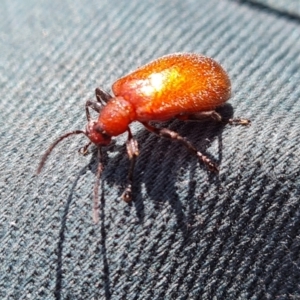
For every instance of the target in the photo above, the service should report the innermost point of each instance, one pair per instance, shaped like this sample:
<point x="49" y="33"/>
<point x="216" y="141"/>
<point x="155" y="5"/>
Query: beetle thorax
<point x="115" y="116"/>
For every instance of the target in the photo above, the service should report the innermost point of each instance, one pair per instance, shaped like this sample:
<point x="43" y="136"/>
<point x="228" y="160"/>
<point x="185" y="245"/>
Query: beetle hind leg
<point x="167" y="133"/>
<point x="212" y="114"/>
<point x="201" y="116"/>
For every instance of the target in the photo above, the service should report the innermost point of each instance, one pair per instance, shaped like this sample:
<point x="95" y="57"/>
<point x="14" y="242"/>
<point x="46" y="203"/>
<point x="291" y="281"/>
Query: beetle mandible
<point x="185" y="86"/>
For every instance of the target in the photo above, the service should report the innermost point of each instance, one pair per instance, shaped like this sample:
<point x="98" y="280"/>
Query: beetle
<point x="184" y="86"/>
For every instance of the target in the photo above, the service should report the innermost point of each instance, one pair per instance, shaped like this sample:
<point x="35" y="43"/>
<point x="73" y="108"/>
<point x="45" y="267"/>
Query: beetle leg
<point x="94" y="105"/>
<point x="203" y="115"/>
<point x="84" y="150"/>
<point x="102" y="96"/>
<point x="239" y="121"/>
<point x="96" y="187"/>
<point x="167" y="133"/>
<point x="133" y="152"/>
<point x="199" y="116"/>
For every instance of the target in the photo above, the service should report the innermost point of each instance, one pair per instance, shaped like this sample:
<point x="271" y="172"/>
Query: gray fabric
<point x="189" y="234"/>
<point x="282" y="6"/>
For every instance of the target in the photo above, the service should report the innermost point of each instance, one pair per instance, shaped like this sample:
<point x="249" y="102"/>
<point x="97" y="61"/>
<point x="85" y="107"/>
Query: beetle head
<point x="96" y="134"/>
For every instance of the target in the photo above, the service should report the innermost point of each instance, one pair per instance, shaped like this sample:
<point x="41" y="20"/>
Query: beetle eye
<point x="98" y="128"/>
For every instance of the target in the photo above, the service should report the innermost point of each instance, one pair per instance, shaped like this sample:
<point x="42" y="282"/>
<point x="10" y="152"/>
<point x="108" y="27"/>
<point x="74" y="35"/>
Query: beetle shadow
<point x="160" y="182"/>
<point x="162" y="164"/>
<point x="102" y="240"/>
<point x="61" y="239"/>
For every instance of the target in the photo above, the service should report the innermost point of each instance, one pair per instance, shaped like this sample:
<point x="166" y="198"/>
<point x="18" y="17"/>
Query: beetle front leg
<point x="102" y="96"/>
<point x="96" y="106"/>
<point x="133" y="152"/>
<point x="167" y="133"/>
<point x="93" y="105"/>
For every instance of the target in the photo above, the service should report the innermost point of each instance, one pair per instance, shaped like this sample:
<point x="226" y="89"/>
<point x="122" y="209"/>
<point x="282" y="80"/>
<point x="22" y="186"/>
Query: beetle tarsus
<point x="127" y="194"/>
<point x="239" y="121"/>
<point x="210" y="165"/>
<point x="84" y="150"/>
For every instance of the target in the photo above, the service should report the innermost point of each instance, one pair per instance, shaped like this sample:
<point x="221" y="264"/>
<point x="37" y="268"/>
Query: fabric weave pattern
<point x="189" y="234"/>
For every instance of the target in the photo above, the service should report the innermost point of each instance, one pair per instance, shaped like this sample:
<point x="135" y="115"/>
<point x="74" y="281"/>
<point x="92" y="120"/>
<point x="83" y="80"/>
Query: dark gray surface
<point x="189" y="234"/>
<point x="292" y="8"/>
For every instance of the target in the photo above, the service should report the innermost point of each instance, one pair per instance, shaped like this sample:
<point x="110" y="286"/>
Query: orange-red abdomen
<point x="172" y="85"/>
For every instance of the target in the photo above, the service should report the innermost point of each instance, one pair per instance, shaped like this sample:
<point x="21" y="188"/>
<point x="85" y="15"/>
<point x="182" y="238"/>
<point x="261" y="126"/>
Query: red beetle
<point x="185" y="86"/>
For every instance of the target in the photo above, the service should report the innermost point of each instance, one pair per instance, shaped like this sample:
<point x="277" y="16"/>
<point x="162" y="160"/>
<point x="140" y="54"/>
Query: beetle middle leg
<point x="133" y="152"/>
<point x="167" y="133"/>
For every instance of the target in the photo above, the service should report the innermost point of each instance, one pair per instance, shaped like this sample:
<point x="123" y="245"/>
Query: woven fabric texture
<point x="282" y="6"/>
<point x="188" y="234"/>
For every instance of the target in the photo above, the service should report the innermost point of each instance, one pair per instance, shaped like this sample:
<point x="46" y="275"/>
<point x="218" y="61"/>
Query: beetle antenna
<point x="96" y="187"/>
<point x="49" y="150"/>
